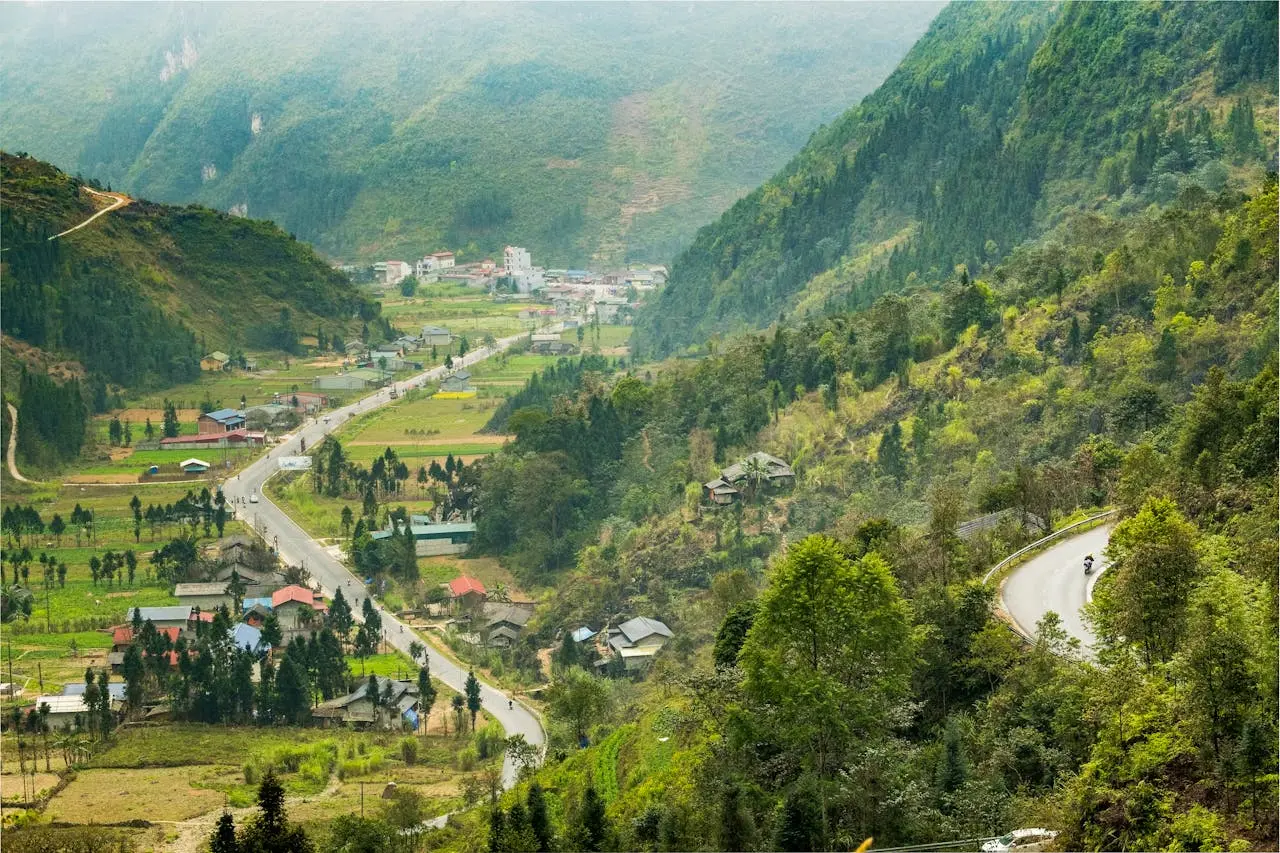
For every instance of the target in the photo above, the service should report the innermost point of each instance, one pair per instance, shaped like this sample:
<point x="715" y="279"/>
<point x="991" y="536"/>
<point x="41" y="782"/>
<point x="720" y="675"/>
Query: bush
<point x="251" y="774"/>
<point x="409" y="751"/>
<point x="467" y="759"/>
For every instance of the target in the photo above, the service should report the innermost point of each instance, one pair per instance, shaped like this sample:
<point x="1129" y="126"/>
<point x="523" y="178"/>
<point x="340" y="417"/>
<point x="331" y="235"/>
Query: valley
<point x="924" y="500"/>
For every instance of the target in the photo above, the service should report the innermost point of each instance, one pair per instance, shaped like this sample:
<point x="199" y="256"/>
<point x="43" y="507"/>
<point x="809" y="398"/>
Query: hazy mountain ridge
<point x="130" y="294"/>
<point x="579" y="131"/>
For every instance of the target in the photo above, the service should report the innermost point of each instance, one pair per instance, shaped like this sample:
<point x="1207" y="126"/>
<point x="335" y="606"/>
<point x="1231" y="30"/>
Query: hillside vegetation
<point x="1143" y="377"/>
<point x="1002" y="118"/>
<point x="584" y="132"/>
<point x="129" y="299"/>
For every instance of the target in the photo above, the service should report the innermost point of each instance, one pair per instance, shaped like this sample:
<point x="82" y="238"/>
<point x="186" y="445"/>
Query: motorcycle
<point x="1088" y="565"/>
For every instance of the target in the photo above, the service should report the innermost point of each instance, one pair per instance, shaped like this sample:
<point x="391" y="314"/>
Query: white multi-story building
<point x="444" y="260"/>
<point x="516" y="261"/>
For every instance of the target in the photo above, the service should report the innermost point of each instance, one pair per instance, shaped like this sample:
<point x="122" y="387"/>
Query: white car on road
<point x="1019" y="839"/>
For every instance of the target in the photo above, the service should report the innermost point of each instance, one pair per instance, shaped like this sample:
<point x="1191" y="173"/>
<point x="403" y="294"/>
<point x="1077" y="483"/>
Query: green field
<point x="596" y="338"/>
<point x="80" y="604"/>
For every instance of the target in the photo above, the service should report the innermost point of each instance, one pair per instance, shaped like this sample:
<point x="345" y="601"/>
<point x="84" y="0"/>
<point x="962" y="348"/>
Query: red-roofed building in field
<point x="467" y="592"/>
<point x="122" y="636"/>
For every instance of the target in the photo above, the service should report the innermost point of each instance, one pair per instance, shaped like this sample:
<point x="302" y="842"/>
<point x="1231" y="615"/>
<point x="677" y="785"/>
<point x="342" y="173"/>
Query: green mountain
<point x="132" y="295"/>
<point x="583" y="131"/>
<point x="1002" y="117"/>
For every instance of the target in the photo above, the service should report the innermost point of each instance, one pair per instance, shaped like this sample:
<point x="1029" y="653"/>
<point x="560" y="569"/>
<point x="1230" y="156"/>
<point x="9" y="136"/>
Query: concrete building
<point x="516" y="261"/>
<point x="206" y="596"/>
<point x="436" y="336"/>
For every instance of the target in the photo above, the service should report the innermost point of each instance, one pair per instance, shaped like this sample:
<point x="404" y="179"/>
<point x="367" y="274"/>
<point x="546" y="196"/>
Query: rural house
<point x="504" y="622"/>
<point x="215" y="361"/>
<point x="436" y="336"/>
<point x="64" y="711"/>
<point x="298" y="609"/>
<point x="466" y="593"/>
<point x="180" y="616"/>
<point x="636" y="641"/>
<point x="359" y="710"/>
<point x="458" y="382"/>
<point x="223" y="420"/>
<point x="206" y="596"/>
<point x="194" y="466"/>
<point x="770" y="471"/>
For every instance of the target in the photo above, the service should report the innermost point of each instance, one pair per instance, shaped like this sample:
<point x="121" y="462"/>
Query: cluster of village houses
<point x="554" y="294"/>
<point x="299" y="610"/>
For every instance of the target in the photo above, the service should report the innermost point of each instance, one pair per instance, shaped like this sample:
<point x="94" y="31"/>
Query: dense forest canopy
<point x="1001" y="118"/>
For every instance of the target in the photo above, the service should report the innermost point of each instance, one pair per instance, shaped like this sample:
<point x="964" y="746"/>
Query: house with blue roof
<point x="222" y="420"/>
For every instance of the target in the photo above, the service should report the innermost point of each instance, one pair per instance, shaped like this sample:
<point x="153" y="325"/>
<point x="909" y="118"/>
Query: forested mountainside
<point x="1000" y="119"/>
<point x="835" y="672"/>
<point x="591" y="131"/>
<point x="130" y="296"/>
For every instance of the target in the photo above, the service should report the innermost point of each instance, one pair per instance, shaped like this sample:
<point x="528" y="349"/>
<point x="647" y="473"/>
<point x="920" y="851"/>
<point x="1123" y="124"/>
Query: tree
<point x="473" y="697"/>
<point x="426" y="695"/>
<point x="829" y="653"/>
<point x="579" y="698"/>
<point x="408" y="286"/>
<point x="459" y="713"/>
<point x="891" y="457"/>
<point x="595" y="826"/>
<point x="224" y="836"/>
<point x="539" y="821"/>
<point x="347" y="519"/>
<point x="171" y="426"/>
<point x="733" y="633"/>
<point x="57" y="527"/>
<point x="135" y="673"/>
<point x="269" y="830"/>
<point x="800" y="821"/>
<point x="1216" y="656"/>
<point x="340" y="618"/>
<point x="1143" y="598"/>
<point x="293" y="689"/>
<point x="271" y="633"/>
<point x="737" y="830"/>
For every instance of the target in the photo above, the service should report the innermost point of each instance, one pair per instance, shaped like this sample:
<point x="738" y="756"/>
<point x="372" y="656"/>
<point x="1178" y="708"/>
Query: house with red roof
<point x="297" y="608"/>
<point x="467" y="592"/>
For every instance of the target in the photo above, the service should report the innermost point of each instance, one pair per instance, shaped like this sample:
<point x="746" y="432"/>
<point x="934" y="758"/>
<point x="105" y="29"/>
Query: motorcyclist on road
<point x="1088" y="564"/>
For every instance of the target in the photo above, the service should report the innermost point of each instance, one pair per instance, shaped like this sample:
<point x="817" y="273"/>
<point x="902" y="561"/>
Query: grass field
<point x="79" y="604"/>
<point x="609" y="337"/>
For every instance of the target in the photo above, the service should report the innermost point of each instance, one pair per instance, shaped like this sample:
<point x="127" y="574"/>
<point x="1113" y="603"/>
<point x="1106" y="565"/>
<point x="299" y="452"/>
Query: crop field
<point x="76" y="603"/>
<point x="599" y="338"/>
<point x="179" y="772"/>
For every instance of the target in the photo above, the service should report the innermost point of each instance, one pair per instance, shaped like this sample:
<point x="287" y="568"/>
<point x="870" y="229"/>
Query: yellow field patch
<point x="154" y="794"/>
<point x="453" y="395"/>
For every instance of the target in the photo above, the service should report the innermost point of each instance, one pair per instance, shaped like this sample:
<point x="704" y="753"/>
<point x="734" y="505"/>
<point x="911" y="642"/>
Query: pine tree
<point x="473" y="697"/>
<point x="595" y="826"/>
<point x="539" y="821"/>
<point x="224" y="836"/>
<point x="426" y="695"/>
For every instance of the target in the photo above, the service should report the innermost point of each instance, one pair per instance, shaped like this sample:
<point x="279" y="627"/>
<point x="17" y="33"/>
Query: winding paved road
<point x="1055" y="580"/>
<point x="298" y="548"/>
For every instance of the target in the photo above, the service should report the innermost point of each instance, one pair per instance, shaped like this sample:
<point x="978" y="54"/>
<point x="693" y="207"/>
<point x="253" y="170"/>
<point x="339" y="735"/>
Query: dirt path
<point x="13" y="444"/>
<point x="120" y="200"/>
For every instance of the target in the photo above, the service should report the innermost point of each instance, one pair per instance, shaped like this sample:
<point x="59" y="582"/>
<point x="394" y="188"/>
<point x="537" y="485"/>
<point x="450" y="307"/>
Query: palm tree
<point x="499" y="593"/>
<point x="756" y="474"/>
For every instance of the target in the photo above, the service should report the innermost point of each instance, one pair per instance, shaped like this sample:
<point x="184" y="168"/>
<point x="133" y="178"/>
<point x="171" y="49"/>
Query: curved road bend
<point x="298" y="548"/>
<point x="1055" y="580"/>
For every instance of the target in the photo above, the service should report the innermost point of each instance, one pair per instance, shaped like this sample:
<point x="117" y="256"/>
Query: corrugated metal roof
<point x="173" y="613"/>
